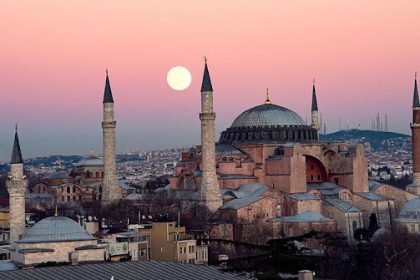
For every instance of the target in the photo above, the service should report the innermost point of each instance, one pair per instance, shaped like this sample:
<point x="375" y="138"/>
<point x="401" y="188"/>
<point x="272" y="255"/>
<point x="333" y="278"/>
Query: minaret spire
<point x="16" y="152"/>
<point x="107" y="92"/>
<point x="210" y="191"/>
<point x="315" y="118"/>
<point x="416" y="102"/>
<point x="206" y="84"/>
<point x="314" y="102"/>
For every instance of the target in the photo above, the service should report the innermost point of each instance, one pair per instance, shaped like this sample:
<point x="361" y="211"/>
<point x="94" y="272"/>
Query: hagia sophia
<point x="268" y="176"/>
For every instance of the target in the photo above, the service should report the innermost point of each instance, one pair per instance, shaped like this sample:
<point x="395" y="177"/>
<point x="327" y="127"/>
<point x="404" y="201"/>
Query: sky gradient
<point x="363" y="55"/>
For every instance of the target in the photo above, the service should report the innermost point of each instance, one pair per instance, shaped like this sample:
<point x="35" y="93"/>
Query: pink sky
<point x="53" y="54"/>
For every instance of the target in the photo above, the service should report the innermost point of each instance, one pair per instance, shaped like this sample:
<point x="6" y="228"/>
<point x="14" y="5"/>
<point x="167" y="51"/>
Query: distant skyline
<point x="363" y="55"/>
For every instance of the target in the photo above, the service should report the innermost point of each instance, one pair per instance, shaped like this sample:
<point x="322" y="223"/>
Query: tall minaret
<point x="16" y="186"/>
<point x="111" y="191"/>
<point x="415" y="134"/>
<point x="210" y="192"/>
<point x="314" y="111"/>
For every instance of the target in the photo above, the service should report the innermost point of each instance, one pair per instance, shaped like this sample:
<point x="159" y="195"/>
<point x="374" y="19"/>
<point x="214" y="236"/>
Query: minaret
<point x="210" y="192"/>
<point x="16" y="186"/>
<point x="415" y="134"/>
<point x="314" y="112"/>
<point x="111" y="191"/>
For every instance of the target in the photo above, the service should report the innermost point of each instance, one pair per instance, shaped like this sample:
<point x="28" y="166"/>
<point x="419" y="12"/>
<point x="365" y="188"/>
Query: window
<point x="185" y="250"/>
<point x="312" y="167"/>
<point x="335" y="180"/>
<point x="319" y="177"/>
<point x="68" y="198"/>
<point x="191" y="249"/>
<point x="62" y="198"/>
<point x="312" y="177"/>
<point x="74" y="188"/>
<point x="97" y="174"/>
<point x="68" y="189"/>
<point x="180" y="250"/>
<point x="143" y="252"/>
<point x="74" y="198"/>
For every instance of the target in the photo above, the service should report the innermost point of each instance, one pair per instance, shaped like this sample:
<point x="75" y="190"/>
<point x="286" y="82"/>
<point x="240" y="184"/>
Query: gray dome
<point x="55" y="229"/>
<point x="267" y="115"/>
<point x="410" y="210"/>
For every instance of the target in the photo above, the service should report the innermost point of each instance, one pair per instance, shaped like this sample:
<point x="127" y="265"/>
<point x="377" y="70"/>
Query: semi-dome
<point x="410" y="211"/>
<point x="268" y="123"/>
<point x="55" y="229"/>
<point x="267" y="115"/>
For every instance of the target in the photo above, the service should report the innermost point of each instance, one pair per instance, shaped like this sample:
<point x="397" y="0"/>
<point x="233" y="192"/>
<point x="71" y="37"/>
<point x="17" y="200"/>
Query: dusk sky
<point x="53" y="55"/>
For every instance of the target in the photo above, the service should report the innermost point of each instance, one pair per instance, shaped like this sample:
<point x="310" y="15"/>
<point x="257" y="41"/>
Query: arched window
<point x="97" y="174"/>
<point x="87" y="174"/>
<point x="100" y="189"/>
<point x="68" y="189"/>
<point x="74" y="189"/>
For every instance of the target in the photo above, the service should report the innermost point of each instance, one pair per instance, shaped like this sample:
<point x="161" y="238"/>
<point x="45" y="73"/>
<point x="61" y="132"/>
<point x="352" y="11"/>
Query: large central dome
<point x="268" y="123"/>
<point x="267" y="115"/>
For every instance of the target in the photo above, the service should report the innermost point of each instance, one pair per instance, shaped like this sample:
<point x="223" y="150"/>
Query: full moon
<point x="179" y="78"/>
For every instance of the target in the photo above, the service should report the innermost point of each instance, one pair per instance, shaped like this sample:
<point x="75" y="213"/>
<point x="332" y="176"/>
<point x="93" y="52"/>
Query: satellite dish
<point x="143" y="217"/>
<point x="90" y="218"/>
<point x="150" y="217"/>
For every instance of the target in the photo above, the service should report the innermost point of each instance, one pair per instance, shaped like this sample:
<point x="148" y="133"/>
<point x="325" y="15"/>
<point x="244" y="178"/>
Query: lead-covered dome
<point x="268" y="123"/>
<point x="267" y="115"/>
<point x="55" y="229"/>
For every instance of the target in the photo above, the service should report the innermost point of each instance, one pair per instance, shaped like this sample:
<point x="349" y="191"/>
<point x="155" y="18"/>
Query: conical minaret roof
<point x="107" y="92"/>
<point x="314" y="106"/>
<point x="206" y="84"/>
<point x="16" y="152"/>
<point x="416" y="102"/>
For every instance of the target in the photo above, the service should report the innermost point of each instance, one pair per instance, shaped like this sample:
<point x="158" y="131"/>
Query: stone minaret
<point x="314" y="112"/>
<point x="415" y="134"/>
<point x="210" y="192"/>
<point x="16" y="186"/>
<point x="111" y="191"/>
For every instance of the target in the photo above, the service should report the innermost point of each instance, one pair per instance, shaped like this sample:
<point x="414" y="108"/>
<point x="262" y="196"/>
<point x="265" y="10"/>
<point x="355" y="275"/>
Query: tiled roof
<point x="241" y="202"/>
<point x="122" y="270"/>
<point x="372" y="196"/>
<point x="302" y="196"/>
<point x="305" y="216"/>
<point x="342" y="205"/>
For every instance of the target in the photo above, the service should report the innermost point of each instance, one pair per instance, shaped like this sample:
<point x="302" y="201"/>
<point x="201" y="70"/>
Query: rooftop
<point x="121" y="270"/>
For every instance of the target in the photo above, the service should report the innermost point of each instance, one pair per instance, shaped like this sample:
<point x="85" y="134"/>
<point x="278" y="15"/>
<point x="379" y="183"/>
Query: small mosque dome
<point x="55" y="229"/>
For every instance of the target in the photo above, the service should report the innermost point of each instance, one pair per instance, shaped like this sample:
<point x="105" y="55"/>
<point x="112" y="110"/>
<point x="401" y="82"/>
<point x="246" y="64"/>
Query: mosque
<point x="270" y="169"/>
<point x="268" y="176"/>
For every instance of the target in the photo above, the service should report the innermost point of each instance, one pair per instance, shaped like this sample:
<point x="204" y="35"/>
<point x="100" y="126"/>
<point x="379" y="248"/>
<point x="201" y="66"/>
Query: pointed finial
<point x="415" y="75"/>
<point x="267" y="100"/>
<point x="205" y="59"/>
<point x="313" y="81"/>
<point x="106" y="71"/>
<point x="16" y="127"/>
<point x="56" y="210"/>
